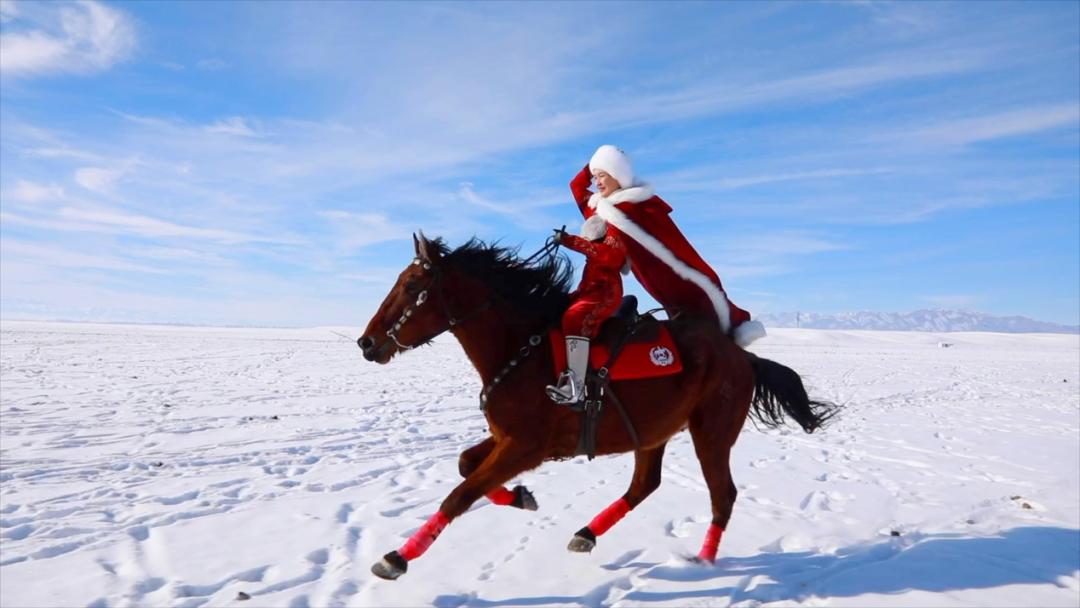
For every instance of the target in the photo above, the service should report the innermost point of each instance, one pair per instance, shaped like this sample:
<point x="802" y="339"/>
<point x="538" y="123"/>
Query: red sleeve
<point x="608" y="252"/>
<point x="580" y="187"/>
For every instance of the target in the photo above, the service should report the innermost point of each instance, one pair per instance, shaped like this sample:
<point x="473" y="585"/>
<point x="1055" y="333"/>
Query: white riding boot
<point x="571" y="387"/>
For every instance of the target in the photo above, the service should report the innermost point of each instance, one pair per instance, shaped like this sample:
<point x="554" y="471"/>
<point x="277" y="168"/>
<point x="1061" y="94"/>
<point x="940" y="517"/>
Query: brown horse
<point x="499" y="307"/>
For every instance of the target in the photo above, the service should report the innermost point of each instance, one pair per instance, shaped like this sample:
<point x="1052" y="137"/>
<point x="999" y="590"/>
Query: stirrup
<point x="568" y="391"/>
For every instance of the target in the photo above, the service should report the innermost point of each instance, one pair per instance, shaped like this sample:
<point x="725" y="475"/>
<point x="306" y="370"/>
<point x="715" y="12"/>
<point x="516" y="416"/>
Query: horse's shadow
<point x="931" y="563"/>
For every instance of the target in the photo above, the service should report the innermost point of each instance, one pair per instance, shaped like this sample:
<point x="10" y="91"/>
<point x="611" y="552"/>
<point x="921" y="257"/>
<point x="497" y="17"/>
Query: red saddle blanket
<point x="651" y="359"/>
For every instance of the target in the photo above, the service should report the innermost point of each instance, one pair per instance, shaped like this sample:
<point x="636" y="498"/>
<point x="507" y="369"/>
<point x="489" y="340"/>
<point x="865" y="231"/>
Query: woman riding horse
<point x="499" y="307"/>
<point x="663" y="261"/>
<point x="596" y="298"/>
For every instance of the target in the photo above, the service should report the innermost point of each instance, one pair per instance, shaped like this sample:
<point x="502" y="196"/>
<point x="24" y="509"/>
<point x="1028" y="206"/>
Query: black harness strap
<point x="597" y="385"/>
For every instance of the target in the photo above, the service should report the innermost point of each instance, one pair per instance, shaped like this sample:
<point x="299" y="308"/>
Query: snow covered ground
<point x="172" y="466"/>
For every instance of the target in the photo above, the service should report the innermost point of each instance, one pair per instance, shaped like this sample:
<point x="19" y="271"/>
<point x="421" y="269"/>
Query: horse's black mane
<point x="539" y="287"/>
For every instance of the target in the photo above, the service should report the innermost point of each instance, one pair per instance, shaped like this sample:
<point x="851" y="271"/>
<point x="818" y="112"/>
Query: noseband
<point x="421" y="299"/>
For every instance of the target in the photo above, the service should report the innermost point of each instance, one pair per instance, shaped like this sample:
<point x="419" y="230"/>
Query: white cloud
<point x="55" y="256"/>
<point x="539" y="212"/>
<point x="148" y="226"/>
<point x="111" y="222"/>
<point x="98" y="179"/>
<point x="235" y="125"/>
<point x="8" y="10"/>
<point x="1024" y="121"/>
<point x="358" y="230"/>
<point x="695" y="180"/>
<point x="32" y="192"/>
<point x="84" y="37"/>
<point x="764" y="253"/>
<point x="62" y="151"/>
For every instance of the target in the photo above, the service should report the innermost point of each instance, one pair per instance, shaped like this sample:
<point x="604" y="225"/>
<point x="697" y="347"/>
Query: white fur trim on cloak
<point x="636" y="194"/>
<point x="747" y="332"/>
<point x="605" y="208"/>
<point x="594" y="228"/>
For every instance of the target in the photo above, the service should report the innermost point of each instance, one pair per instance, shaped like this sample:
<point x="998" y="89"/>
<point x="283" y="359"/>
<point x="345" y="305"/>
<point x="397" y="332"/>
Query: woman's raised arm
<point x="580" y="187"/>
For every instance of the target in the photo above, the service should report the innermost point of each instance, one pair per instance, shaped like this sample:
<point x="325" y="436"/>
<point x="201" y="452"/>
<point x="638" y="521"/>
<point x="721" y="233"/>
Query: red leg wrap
<point x="712" y="542"/>
<point x="501" y="496"/>
<point x="415" y="546"/>
<point x="609" y="516"/>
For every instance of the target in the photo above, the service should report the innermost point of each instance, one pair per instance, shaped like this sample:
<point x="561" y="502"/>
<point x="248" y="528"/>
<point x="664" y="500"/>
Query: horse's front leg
<point x="507" y="459"/>
<point x="520" y="497"/>
<point x="647" y="469"/>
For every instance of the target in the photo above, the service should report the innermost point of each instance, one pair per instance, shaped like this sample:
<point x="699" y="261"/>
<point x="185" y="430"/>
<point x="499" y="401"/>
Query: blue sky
<point x="266" y="163"/>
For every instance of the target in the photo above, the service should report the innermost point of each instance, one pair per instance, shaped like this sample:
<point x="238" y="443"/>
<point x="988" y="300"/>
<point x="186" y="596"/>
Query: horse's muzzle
<point x="367" y="346"/>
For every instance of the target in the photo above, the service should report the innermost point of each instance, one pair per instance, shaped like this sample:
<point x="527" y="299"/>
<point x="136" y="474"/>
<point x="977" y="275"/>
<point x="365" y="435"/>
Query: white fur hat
<point x="594" y="228"/>
<point x="615" y="163"/>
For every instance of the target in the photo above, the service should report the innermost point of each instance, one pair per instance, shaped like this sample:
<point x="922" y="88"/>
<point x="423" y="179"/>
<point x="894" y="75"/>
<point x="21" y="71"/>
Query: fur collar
<point x="633" y="194"/>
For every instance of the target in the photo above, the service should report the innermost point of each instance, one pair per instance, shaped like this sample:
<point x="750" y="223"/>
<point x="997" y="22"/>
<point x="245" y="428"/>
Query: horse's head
<point x="415" y="310"/>
<point x="443" y="289"/>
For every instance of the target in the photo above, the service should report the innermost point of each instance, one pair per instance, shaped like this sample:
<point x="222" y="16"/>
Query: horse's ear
<point x="422" y="248"/>
<point x="416" y="244"/>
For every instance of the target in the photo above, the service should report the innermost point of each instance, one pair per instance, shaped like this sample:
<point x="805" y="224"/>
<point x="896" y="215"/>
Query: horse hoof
<point x="583" y="542"/>
<point x="524" y="499"/>
<point x="391" y="566"/>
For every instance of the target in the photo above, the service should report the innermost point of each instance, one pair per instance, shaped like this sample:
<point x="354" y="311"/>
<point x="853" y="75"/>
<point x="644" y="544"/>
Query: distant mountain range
<point x="920" y="320"/>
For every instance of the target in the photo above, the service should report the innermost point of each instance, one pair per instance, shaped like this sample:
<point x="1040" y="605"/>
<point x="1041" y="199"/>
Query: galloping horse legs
<point x="520" y="497"/>
<point x="712" y="443"/>
<point x="647" y="469"/>
<point x="506" y="459"/>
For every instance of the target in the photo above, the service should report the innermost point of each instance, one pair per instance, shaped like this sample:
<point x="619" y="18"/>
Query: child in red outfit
<point x="596" y="298"/>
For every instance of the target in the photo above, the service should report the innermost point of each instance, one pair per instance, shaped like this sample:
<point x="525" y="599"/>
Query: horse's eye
<point x="412" y="286"/>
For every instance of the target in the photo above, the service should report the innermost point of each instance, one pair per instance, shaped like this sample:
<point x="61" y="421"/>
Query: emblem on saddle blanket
<point x="637" y="360"/>
<point x="661" y="356"/>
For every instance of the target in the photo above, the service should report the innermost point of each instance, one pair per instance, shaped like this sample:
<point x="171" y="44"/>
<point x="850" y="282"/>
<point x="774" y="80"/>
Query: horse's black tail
<point x="779" y="390"/>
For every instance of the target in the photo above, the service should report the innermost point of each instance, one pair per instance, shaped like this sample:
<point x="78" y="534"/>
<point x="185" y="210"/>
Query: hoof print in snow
<point x="1017" y="497"/>
<point x="1025" y="506"/>
<point x="894" y="533"/>
<point x="242" y="596"/>
<point x="391" y="566"/>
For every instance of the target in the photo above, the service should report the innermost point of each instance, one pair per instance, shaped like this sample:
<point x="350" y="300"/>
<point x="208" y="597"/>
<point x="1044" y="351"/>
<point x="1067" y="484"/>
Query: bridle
<point x="421" y="299"/>
<point x="549" y="248"/>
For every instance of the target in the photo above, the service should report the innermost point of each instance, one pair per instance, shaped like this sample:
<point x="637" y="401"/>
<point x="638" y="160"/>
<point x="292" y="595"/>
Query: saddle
<point x="629" y="346"/>
<point x="642" y="345"/>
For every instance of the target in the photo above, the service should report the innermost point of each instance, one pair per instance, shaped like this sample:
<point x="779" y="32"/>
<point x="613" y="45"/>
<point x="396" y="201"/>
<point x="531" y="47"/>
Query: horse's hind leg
<point x="647" y="468"/>
<point x="519" y="497"/>
<point x="714" y="428"/>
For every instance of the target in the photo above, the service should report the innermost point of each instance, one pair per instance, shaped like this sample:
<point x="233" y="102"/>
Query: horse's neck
<point x="490" y="342"/>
